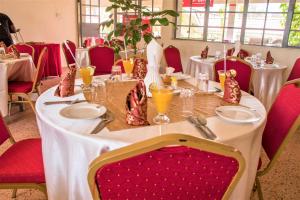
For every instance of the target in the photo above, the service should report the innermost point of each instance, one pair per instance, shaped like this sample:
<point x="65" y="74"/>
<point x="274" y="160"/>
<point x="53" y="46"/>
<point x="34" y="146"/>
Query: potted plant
<point x="134" y="29"/>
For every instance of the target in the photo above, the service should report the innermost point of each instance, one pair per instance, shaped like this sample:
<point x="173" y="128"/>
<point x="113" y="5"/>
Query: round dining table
<point x="11" y="69"/>
<point x="68" y="147"/>
<point x="266" y="80"/>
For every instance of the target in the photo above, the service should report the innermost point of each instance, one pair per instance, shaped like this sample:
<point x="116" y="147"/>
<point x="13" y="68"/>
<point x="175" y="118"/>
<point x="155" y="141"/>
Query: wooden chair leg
<point x="38" y="90"/>
<point x="9" y="104"/>
<point x="259" y="191"/>
<point x="30" y="102"/>
<point x="14" y="194"/>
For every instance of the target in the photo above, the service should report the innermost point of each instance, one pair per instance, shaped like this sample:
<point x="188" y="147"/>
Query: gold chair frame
<point x="65" y="55"/>
<point x="25" y="97"/>
<point x="270" y="165"/>
<point x="28" y="45"/>
<point x="160" y="142"/>
<point x="233" y="58"/>
<point x="15" y="186"/>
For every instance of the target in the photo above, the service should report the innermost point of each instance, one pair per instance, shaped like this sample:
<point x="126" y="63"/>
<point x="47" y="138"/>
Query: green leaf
<point x="163" y="21"/>
<point x="148" y="37"/>
<point x="144" y="27"/>
<point x="138" y="21"/>
<point x="110" y="35"/>
<point x="153" y="21"/>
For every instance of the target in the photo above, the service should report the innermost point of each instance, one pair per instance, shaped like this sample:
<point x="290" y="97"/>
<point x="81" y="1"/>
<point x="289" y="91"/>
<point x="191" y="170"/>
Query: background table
<point x="22" y="69"/>
<point x="53" y="66"/>
<point x="266" y="81"/>
<point x="68" y="149"/>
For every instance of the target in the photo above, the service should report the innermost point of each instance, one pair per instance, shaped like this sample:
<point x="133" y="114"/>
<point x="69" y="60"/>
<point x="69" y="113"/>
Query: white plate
<point x="181" y="76"/>
<point x="83" y="111"/>
<point x="237" y="114"/>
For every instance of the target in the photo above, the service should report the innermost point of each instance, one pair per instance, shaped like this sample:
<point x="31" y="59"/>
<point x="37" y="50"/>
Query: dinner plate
<point x="237" y="114"/>
<point x="83" y="111"/>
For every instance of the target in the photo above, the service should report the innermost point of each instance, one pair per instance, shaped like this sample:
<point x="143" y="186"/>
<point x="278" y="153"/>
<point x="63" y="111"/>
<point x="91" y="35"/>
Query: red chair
<point x="173" y="59"/>
<point x="102" y="57"/>
<point x="25" y="48"/>
<point x="88" y="42"/>
<point x="172" y="166"/>
<point x="282" y="122"/>
<point x="21" y="166"/>
<point x="242" y="51"/>
<point x="243" y="69"/>
<point x="120" y="63"/>
<point x="69" y="57"/>
<point x="24" y="89"/>
<point x="295" y="73"/>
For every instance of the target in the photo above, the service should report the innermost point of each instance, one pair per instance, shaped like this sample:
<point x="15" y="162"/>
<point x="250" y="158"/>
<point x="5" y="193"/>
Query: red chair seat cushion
<point x="19" y="87"/>
<point x="23" y="163"/>
<point x="168" y="173"/>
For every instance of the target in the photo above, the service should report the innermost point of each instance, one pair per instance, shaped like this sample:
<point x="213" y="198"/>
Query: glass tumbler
<point x="202" y="82"/>
<point x="187" y="100"/>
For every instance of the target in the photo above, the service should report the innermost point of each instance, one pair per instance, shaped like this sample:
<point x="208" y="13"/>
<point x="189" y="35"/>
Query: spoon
<point x="203" y="122"/>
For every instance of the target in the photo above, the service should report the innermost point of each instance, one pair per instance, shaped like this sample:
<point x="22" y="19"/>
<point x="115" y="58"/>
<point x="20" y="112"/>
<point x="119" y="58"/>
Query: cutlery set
<point x="201" y="124"/>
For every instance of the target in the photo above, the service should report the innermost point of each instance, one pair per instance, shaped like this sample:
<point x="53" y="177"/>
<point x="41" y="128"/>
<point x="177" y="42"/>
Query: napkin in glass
<point x="232" y="91"/>
<point x="67" y="83"/>
<point x="139" y="68"/>
<point x="204" y="53"/>
<point x="269" y="58"/>
<point x="136" y="105"/>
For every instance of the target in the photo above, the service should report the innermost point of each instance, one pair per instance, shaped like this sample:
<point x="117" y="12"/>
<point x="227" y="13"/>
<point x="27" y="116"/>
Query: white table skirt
<point x="266" y="81"/>
<point x="68" y="149"/>
<point x="22" y="69"/>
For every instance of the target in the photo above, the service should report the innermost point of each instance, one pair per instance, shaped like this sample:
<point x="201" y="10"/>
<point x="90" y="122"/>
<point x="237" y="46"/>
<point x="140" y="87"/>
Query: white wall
<point x="285" y="56"/>
<point x="43" y="20"/>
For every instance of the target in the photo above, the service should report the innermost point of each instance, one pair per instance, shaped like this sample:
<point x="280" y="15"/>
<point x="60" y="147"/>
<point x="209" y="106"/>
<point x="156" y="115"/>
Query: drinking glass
<point x="86" y="74"/>
<point x="162" y="96"/>
<point x="116" y="73"/>
<point x="186" y="96"/>
<point x="222" y="77"/>
<point x="98" y="91"/>
<point x="128" y="67"/>
<point x="203" y="82"/>
<point x="88" y="92"/>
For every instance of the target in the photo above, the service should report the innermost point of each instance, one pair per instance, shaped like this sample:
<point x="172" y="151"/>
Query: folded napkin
<point x="269" y="58"/>
<point x="3" y="45"/>
<point x="232" y="91"/>
<point x="241" y="55"/>
<point x="139" y="68"/>
<point x="237" y="49"/>
<point x="136" y="105"/>
<point x="66" y="85"/>
<point x="14" y="51"/>
<point x="204" y="53"/>
<point x="154" y="53"/>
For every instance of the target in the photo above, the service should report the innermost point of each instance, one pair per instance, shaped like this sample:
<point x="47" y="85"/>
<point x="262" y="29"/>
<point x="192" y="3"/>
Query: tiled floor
<point x="283" y="182"/>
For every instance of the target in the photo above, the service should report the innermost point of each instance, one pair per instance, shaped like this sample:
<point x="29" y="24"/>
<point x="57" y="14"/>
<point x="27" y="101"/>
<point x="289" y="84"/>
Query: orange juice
<point x="162" y="98"/>
<point x="222" y="77"/>
<point x="86" y="74"/>
<point x="128" y="66"/>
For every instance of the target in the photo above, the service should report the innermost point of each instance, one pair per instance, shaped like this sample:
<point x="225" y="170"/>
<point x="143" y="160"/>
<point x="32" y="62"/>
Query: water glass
<point x="187" y="100"/>
<point x="116" y="73"/>
<point x="202" y="82"/>
<point x="98" y="91"/>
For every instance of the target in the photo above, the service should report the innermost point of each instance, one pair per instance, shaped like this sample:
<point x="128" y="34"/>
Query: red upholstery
<point x="103" y="58"/>
<point x="295" y="73"/>
<point x="69" y="57"/>
<point x="19" y="87"/>
<point x="120" y="63"/>
<point x="4" y="134"/>
<point x="281" y="117"/>
<point x="243" y="71"/>
<point x="25" y="48"/>
<point x="244" y="52"/>
<point x="88" y="42"/>
<point x="22" y="163"/>
<point x="168" y="173"/>
<point x="173" y="59"/>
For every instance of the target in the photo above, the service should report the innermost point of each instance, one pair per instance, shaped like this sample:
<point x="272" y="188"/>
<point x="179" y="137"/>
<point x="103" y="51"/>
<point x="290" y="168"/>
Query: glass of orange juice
<point x="128" y="66"/>
<point x="162" y="96"/>
<point x="222" y="77"/>
<point x="87" y="74"/>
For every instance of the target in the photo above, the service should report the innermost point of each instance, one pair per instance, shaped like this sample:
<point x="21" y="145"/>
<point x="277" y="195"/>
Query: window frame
<point x="286" y="30"/>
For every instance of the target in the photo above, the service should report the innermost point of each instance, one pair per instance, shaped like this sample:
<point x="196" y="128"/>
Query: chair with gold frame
<point x="244" y="71"/>
<point x="23" y="89"/>
<point x="169" y="166"/>
<point x="24" y="48"/>
<point x="102" y="57"/>
<point x="21" y="165"/>
<point x="282" y="122"/>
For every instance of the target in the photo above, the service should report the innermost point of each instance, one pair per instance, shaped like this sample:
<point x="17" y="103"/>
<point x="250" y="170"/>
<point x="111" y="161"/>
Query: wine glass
<point x="87" y="74"/>
<point x="222" y="77"/>
<point x="162" y="96"/>
<point x="128" y="66"/>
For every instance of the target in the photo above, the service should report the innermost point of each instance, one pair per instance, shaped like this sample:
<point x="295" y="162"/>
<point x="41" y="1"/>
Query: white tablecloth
<point x="266" y="81"/>
<point x="68" y="149"/>
<point x="22" y="69"/>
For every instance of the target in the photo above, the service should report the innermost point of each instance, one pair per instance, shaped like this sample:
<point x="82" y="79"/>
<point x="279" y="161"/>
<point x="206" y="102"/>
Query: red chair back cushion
<point x="41" y="64"/>
<point x="173" y="58"/>
<point x="25" y="48"/>
<point x="295" y="73"/>
<point x="69" y="57"/>
<point x="120" y="63"/>
<point x="103" y="58"/>
<point x="281" y="117"/>
<point x="243" y="71"/>
<point x="168" y="173"/>
<point x="4" y="134"/>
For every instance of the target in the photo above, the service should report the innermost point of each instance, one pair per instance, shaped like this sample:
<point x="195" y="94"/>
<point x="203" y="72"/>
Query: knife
<point x="106" y="119"/>
<point x="198" y="126"/>
<point x="63" y="102"/>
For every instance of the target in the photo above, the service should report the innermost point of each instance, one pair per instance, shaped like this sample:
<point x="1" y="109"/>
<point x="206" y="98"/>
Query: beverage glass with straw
<point x="127" y="63"/>
<point x="87" y="74"/>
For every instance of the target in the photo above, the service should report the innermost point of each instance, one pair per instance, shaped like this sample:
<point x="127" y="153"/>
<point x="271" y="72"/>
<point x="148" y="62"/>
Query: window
<point x="255" y="22"/>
